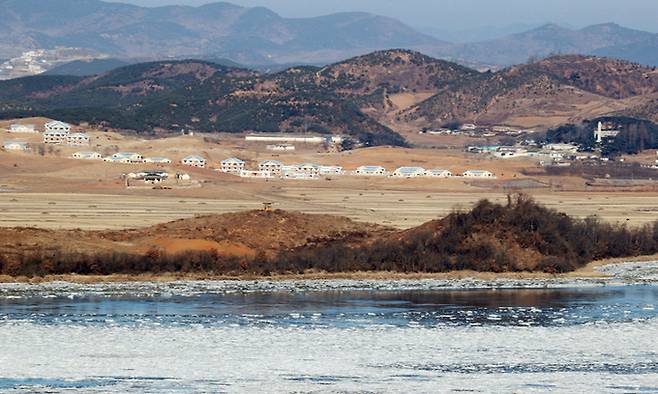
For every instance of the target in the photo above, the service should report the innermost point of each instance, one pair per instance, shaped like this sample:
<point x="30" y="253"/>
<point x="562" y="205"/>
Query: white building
<point x="438" y="173"/>
<point x="55" y="137"/>
<point x="468" y="126"/>
<point x="309" y="169"/>
<point x="286" y="138"/>
<point x="281" y="147"/>
<point x="77" y="139"/>
<point x="272" y="166"/>
<point x="157" y="160"/>
<point x="87" y="156"/>
<point x="194" y="161"/>
<point x="23" y="128"/>
<point x="331" y="170"/>
<point x="57" y="126"/>
<point x="561" y="147"/>
<point x="478" y="174"/>
<point x="232" y="165"/>
<point x="370" y="171"/>
<point x="125" y="158"/>
<point x="256" y="174"/>
<point x="409" y="172"/>
<point x="14" y="146"/>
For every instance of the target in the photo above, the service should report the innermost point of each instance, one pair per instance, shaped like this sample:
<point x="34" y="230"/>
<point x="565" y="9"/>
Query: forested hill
<point x="205" y="96"/>
<point x="364" y="97"/>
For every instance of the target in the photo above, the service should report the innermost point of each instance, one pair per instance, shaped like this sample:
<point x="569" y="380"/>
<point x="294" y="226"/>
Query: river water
<point x="332" y="336"/>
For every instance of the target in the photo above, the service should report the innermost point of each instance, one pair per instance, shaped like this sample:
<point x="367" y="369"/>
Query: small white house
<point x="272" y="166"/>
<point x="14" y="146"/>
<point x="438" y="173"/>
<point x="256" y="174"/>
<point x="409" y="172"/>
<point x="77" y="139"/>
<point x="194" y="161"/>
<point x="370" y="171"/>
<point x="57" y="126"/>
<point x="125" y="158"/>
<point x="478" y="174"/>
<point x="232" y="165"/>
<point x="87" y="156"/>
<point x="157" y="160"/>
<point x="23" y="128"/>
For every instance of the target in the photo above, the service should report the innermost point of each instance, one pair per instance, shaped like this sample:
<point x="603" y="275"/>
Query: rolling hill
<point x="367" y="97"/>
<point x="555" y="90"/>
<point x="204" y="96"/>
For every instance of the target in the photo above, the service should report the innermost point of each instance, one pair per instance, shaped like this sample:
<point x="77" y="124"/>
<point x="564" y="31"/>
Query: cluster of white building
<point x="58" y="133"/>
<point x="55" y="133"/>
<point x="277" y="169"/>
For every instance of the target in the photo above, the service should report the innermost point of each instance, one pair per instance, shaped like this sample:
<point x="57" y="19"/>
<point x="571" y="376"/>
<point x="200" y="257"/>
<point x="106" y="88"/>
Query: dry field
<point x="399" y="208"/>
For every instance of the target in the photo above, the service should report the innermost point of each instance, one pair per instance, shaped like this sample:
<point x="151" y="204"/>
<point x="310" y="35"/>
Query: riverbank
<point x="590" y="271"/>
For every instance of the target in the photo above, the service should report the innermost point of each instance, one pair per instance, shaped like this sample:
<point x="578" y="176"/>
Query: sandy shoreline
<point x="587" y="272"/>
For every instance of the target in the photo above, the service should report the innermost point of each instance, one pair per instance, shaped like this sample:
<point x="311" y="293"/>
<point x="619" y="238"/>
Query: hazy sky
<point x="466" y="14"/>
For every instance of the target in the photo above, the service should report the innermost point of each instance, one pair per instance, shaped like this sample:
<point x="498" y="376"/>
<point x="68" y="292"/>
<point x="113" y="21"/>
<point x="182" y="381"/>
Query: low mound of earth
<point x="520" y="236"/>
<point x="242" y="234"/>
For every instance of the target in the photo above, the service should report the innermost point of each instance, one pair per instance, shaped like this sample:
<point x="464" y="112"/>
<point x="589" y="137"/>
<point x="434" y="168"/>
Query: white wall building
<point x="331" y="170"/>
<point x="272" y="166"/>
<point x="478" y="174"/>
<point x="561" y="147"/>
<point x="57" y="126"/>
<point x="77" y="139"/>
<point x="370" y="171"/>
<point x="125" y="158"/>
<point x="232" y="165"/>
<point x="157" y="160"/>
<point x="287" y="138"/>
<point x="55" y="137"/>
<point x="309" y="168"/>
<point x="87" y="156"/>
<point x="14" y="146"/>
<point x="281" y="147"/>
<point x="23" y="128"/>
<point x="438" y="173"/>
<point x="409" y="172"/>
<point x="194" y="161"/>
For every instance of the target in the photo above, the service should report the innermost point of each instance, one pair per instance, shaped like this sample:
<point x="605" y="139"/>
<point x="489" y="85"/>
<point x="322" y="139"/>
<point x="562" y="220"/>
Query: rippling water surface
<point x="335" y="336"/>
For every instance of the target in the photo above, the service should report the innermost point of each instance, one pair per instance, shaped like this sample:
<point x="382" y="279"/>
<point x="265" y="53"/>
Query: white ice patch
<point x="619" y="357"/>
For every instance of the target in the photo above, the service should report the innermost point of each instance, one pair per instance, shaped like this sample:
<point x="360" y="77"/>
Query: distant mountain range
<point x="258" y="37"/>
<point x="245" y="35"/>
<point x="607" y="39"/>
<point x="368" y="97"/>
